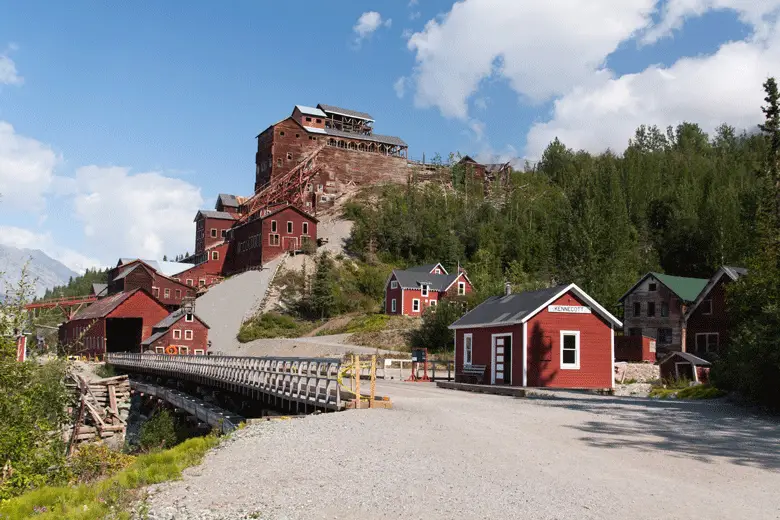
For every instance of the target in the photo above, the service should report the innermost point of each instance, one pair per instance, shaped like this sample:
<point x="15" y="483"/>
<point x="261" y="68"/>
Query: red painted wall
<point x="200" y="336"/>
<point x="391" y="294"/>
<point x="203" y="227"/>
<point x="141" y="305"/>
<point x="92" y="342"/>
<point x="177" y="290"/>
<point x="635" y="349"/>
<point x="408" y="295"/>
<point x="715" y="322"/>
<point x="543" y="350"/>
<point x="209" y="271"/>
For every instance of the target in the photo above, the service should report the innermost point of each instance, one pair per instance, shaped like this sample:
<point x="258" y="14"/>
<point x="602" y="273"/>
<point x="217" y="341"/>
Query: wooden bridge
<point x="294" y="384"/>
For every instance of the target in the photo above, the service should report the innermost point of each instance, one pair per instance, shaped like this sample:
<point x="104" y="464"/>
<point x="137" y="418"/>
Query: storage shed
<point x="683" y="365"/>
<point x="558" y="337"/>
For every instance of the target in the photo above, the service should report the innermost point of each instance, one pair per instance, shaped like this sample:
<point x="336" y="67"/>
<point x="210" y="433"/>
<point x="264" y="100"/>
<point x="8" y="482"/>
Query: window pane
<point x="569" y="342"/>
<point x="569" y="357"/>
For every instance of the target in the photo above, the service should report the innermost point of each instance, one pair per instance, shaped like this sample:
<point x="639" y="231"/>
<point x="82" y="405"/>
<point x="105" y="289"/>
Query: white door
<point x="501" y="367"/>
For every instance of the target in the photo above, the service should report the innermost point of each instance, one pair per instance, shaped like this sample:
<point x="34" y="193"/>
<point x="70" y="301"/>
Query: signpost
<point x="569" y="309"/>
<point x="419" y="356"/>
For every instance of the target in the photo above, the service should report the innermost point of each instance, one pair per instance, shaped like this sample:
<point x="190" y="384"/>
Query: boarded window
<point x="664" y="336"/>
<point x="650" y="309"/>
<point x="664" y="309"/>
<point x="637" y="309"/>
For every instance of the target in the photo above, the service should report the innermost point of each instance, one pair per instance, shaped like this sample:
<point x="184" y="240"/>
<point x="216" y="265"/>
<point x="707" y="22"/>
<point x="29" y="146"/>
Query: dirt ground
<point x="443" y="454"/>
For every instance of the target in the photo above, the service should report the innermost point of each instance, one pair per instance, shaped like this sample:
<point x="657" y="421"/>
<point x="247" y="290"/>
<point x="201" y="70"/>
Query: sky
<point x="117" y="123"/>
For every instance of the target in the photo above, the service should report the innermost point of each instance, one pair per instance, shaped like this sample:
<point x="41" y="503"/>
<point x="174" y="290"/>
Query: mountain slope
<point x="42" y="269"/>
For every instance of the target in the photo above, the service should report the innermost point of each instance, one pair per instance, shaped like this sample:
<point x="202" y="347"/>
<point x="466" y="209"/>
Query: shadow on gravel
<point x="703" y="430"/>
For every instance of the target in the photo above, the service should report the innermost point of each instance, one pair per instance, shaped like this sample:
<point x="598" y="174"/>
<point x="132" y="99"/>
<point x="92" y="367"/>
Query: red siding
<point x="203" y="227"/>
<point x="209" y="272"/>
<point x="199" y="341"/>
<point x="407" y="296"/>
<point x="635" y="348"/>
<point x="544" y="349"/>
<point x="141" y="305"/>
<point x="176" y="290"/>
<point x="392" y="294"/>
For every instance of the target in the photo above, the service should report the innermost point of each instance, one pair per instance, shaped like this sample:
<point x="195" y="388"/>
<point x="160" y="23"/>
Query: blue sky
<point x="129" y="118"/>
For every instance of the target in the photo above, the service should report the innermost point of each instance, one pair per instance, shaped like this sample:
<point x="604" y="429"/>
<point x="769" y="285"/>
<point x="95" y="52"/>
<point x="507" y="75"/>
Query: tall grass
<point x="112" y="497"/>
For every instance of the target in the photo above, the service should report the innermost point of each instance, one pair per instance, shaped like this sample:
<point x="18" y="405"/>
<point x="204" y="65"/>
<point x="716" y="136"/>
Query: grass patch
<point x="679" y="391"/>
<point x="112" y="497"/>
<point x="273" y="325"/>
<point x="363" y="323"/>
<point x="105" y="371"/>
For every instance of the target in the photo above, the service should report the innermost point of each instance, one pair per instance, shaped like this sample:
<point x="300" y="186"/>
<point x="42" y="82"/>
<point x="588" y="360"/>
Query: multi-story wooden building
<point x="409" y="292"/>
<point x="350" y="151"/>
<point x="131" y="274"/>
<point x="180" y="332"/>
<point x="487" y="172"/>
<point x="211" y="228"/>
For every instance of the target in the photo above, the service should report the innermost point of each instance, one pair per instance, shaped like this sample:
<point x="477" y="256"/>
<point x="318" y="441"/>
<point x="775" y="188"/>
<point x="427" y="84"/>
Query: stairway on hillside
<point x="224" y="306"/>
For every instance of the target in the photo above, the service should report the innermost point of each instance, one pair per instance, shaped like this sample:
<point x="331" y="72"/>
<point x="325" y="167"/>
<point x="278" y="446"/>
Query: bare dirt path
<point x="443" y="454"/>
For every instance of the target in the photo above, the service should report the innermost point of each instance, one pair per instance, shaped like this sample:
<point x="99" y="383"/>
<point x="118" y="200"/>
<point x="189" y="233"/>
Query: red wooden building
<point x="409" y="292"/>
<point x="178" y="333"/>
<point x="115" y="323"/>
<point x="211" y="228"/>
<point x="558" y="337"/>
<point x="279" y="229"/>
<point x="208" y="268"/>
<point x="706" y="320"/>
<point x="132" y="274"/>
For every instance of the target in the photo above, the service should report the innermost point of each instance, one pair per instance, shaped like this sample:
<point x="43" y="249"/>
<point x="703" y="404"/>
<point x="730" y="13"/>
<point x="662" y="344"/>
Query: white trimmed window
<point x="570" y="349"/>
<point x="213" y="232"/>
<point x="415" y="305"/>
<point x="394" y="284"/>
<point x="189" y="282"/>
<point x="188" y="334"/>
<point x="432" y="303"/>
<point x="167" y="293"/>
<point x="159" y="350"/>
<point x="461" y="288"/>
<point x="273" y="226"/>
<point x="424" y="290"/>
<point x="215" y="255"/>
<point x="467" y="348"/>
<point x="183" y="351"/>
<point x="176" y="334"/>
<point x="178" y="294"/>
<point x="305" y="228"/>
<point x="289" y="226"/>
<point x="707" y="342"/>
<point x="198" y="351"/>
<point x="393" y="305"/>
<point x="188" y="317"/>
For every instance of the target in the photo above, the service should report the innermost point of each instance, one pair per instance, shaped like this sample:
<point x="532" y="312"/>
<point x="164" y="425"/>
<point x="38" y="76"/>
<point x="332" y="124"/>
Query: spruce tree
<point x="322" y="298"/>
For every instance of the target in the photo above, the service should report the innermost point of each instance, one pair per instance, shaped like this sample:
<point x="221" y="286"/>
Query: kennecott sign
<point x="571" y="309"/>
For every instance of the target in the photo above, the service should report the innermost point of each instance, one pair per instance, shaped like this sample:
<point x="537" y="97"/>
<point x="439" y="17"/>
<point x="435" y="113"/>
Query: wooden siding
<point x="199" y="341"/>
<point x="141" y="305"/>
<point x="393" y="294"/>
<point x="203" y="227"/>
<point x="649" y="325"/>
<point x="717" y="322"/>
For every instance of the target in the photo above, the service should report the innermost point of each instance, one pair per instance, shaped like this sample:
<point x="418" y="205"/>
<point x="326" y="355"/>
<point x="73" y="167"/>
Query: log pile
<point x="101" y="410"/>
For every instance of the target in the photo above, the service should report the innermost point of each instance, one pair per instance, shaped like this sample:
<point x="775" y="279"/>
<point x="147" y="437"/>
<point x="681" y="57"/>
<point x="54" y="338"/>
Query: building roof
<point x="127" y="270"/>
<point x="518" y="308"/>
<point x="290" y="206"/>
<point x="207" y="213"/>
<point x="734" y="273"/>
<point x="161" y="266"/>
<point x="496" y="167"/>
<point x="154" y="337"/>
<point x="105" y="306"/>
<point x="310" y="111"/>
<point x="384" y="139"/>
<point x="687" y="356"/>
<point x="415" y="280"/>
<point x="345" y="112"/>
<point x="99" y="289"/>
<point x="687" y="289"/>
<point x="427" y="268"/>
<point x="227" y="200"/>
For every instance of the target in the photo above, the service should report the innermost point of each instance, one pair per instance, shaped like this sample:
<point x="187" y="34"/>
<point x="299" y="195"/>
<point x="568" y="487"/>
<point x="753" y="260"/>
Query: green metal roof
<point x="686" y="288"/>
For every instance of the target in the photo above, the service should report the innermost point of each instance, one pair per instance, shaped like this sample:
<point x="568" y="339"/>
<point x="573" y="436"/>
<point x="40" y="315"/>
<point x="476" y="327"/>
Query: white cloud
<point x="26" y="169"/>
<point x="709" y="90"/>
<point x="26" y="239"/>
<point x="400" y="87"/>
<point x="368" y="23"/>
<point x="144" y="214"/>
<point x="542" y="49"/>
<point x="760" y="14"/>
<point x="8" y="73"/>
<point x="481" y="103"/>
<point x="478" y="127"/>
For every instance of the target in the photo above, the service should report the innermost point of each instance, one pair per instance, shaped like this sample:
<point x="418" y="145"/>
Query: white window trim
<point x="432" y="303"/>
<point x="198" y="352"/>
<point x="461" y="288"/>
<point x="468" y="349"/>
<point x="290" y="226"/>
<point x="706" y="341"/>
<point x="273" y="226"/>
<point x="159" y="350"/>
<point x="570" y="366"/>
<point x="213" y="232"/>
<point x="188" y="335"/>
<point x="424" y="290"/>
<point x="189" y="317"/>
<point x="184" y="351"/>
<point x="189" y="282"/>
<point x="167" y="293"/>
<point x="176" y="333"/>
<point x="394" y="284"/>
<point x="215" y="255"/>
<point x="305" y="228"/>
<point x="416" y="303"/>
<point x="393" y="305"/>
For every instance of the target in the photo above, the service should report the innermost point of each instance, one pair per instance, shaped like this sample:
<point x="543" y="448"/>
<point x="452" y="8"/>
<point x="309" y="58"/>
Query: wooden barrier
<point x="308" y="381"/>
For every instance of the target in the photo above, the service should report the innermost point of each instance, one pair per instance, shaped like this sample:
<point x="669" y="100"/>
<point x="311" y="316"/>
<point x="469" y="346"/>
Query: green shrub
<point x="112" y="497"/>
<point x="273" y="325"/>
<point x="95" y="461"/>
<point x="700" y="392"/>
<point x="434" y="333"/>
<point x="104" y="370"/>
<point x="158" y="432"/>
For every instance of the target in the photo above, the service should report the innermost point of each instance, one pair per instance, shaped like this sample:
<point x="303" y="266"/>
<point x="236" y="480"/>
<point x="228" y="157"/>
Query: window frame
<point x="190" y="282"/>
<point x="394" y="284"/>
<point x="167" y="293"/>
<point x="461" y="288"/>
<point x="664" y="309"/>
<point x="468" y="349"/>
<point x="184" y="351"/>
<point x="637" y="309"/>
<point x="215" y="255"/>
<point x="706" y="336"/>
<point x="176" y="333"/>
<point x="670" y="336"/>
<point x="651" y="306"/>
<point x="159" y="350"/>
<point x="305" y="229"/>
<point x="652" y="287"/>
<point x="416" y="303"/>
<point x="213" y="232"/>
<point x="393" y="305"/>
<point x="198" y="352"/>
<point x="178" y="294"/>
<point x="704" y="310"/>
<point x="274" y="227"/>
<point x="189" y="318"/>
<point x="188" y="335"/>
<point x="577" y="350"/>
<point x="271" y="237"/>
<point x="424" y="290"/>
<point x="290" y="227"/>
<point x="432" y="303"/>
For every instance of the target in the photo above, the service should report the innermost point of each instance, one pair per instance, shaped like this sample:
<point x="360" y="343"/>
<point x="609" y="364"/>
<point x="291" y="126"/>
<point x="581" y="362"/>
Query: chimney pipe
<point x="507" y="289"/>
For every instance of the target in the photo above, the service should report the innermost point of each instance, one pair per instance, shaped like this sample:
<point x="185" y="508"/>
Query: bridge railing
<point x="312" y="381"/>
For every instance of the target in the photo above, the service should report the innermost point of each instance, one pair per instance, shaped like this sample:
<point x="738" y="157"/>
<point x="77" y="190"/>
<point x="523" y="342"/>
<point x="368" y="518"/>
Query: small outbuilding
<point x="683" y="365"/>
<point x="181" y="332"/>
<point x="557" y="337"/>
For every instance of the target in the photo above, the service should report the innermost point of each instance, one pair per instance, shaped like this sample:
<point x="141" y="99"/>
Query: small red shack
<point x="558" y="337"/>
<point x="116" y="323"/>
<point x="178" y="333"/>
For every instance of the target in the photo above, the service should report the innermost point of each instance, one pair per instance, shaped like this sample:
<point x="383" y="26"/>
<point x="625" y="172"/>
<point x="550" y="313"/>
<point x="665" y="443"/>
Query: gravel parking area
<point x="442" y="454"/>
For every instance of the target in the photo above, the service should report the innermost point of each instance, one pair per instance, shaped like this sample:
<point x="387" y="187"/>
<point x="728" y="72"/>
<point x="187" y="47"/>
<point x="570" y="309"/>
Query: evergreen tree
<point x="322" y="298"/>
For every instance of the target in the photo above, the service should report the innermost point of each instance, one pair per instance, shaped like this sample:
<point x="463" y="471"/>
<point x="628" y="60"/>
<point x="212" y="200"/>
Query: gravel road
<point x="442" y="454"/>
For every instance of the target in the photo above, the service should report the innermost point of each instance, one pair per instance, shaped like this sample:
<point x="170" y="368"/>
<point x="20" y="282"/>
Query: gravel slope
<point x="444" y="454"/>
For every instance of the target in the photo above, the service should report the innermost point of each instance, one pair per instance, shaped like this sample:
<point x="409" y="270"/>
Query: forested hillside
<point x="79" y="285"/>
<point x="679" y="201"/>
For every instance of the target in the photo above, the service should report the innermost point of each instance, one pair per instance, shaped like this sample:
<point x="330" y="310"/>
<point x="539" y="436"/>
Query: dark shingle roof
<point x="224" y="215"/>
<point x="154" y="337"/>
<point x="344" y="111"/>
<point x="503" y="310"/>
<point x="104" y="307"/>
<point x="694" y="360"/>
<point x="427" y="268"/>
<point x="172" y="318"/>
<point x="127" y="270"/>
<point x="415" y="279"/>
<point x="384" y="139"/>
<point x="228" y="200"/>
